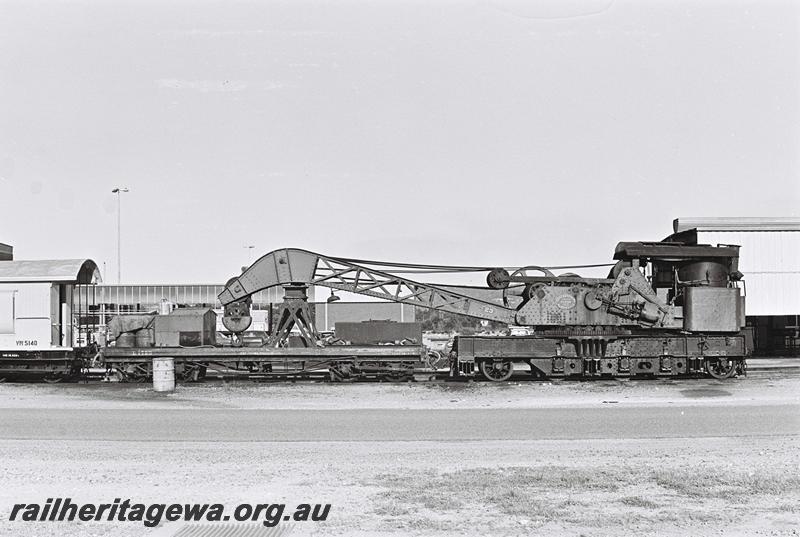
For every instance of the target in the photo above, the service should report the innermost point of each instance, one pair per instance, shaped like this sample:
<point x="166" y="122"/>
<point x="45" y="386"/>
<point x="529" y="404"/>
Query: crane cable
<point x="415" y="268"/>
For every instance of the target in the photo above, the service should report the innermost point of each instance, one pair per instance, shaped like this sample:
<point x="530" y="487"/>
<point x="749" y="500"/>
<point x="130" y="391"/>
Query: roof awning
<point x="771" y="223"/>
<point x="50" y="270"/>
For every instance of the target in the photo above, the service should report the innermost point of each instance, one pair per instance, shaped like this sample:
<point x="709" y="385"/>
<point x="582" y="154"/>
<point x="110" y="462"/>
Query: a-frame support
<point x="295" y="311"/>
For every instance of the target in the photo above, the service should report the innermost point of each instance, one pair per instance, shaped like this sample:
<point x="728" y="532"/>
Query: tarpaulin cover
<point x="128" y="323"/>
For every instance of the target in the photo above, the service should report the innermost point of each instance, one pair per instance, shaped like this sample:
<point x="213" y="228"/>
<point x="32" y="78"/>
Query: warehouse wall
<point x="147" y="296"/>
<point x="770" y="262"/>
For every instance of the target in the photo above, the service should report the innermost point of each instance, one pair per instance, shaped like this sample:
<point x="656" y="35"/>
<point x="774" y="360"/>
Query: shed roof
<point x="672" y="250"/>
<point x="772" y="223"/>
<point x="50" y="270"/>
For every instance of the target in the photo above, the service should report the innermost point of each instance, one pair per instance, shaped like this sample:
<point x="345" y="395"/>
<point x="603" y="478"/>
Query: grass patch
<point x="584" y="497"/>
<point x="787" y="508"/>
<point x="730" y="485"/>
<point x="638" y="501"/>
<point x="393" y="510"/>
<point x="519" y="492"/>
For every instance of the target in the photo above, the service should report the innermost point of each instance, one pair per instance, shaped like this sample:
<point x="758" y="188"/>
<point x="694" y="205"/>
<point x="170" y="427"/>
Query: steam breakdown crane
<point x="684" y="319"/>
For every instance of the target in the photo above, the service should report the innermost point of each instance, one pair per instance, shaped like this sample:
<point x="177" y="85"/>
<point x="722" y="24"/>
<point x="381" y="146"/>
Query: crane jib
<point x="294" y="266"/>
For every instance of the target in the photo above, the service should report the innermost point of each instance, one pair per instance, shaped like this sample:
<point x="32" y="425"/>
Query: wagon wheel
<point x="52" y="378"/>
<point x="117" y="373"/>
<point x="496" y="370"/>
<point x="720" y="368"/>
<point x="191" y="373"/>
<point x="520" y="288"/>
<point x="134" y="374"/>
<point x="436" y="360"/>
<point x="340" y="372"/>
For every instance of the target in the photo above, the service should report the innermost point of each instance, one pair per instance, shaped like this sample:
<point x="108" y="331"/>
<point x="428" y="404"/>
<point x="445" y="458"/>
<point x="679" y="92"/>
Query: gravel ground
<point x="768" y="382"/>
<point x="734" y="485"/>
<point x="707" y="487"/>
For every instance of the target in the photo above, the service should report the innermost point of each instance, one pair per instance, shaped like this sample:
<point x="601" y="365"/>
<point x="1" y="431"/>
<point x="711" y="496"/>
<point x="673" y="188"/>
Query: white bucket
<point x="163" y="374"/>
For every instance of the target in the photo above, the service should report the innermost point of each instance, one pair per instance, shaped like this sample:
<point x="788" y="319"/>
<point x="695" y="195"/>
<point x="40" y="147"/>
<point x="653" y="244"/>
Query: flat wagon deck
<point x="337" y="362"/>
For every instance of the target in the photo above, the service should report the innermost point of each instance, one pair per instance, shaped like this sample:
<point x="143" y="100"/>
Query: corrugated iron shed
<point x="769" y="258"/>
<point x="50" y="270"/>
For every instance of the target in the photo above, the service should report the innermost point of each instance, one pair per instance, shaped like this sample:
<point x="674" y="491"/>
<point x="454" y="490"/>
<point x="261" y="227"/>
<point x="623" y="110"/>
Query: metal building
<point x="6" y="252"/>
<point x="131" y="298"/>
<point x="770" y="262"/>
<point x="109" y="300"/>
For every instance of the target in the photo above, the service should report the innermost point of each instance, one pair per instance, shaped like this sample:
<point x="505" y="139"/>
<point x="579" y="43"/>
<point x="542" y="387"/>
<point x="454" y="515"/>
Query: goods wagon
<point x="38" y="334"/>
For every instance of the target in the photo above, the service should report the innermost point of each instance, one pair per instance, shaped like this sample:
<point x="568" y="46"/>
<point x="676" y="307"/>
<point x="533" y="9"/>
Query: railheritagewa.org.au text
<point x="152" y="514"/>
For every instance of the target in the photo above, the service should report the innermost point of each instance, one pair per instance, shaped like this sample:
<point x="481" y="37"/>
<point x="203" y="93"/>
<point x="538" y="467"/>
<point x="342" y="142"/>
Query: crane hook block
<point x="237" y="316"/>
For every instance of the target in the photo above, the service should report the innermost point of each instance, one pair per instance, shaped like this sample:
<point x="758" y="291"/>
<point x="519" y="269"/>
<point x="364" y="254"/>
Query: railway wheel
<point x="340" y="372"/>
<point x="720" y="368"/>
<point x="496" y="370"/>
<point x="135" y="378"/>
<point x="436" y="360"/>
<point x="190" y="373"/>
<point x="52" y="378"/>
<point x="134" y="373"/>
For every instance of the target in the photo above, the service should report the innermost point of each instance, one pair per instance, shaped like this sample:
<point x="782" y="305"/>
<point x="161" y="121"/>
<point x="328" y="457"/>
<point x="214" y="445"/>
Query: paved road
<point x="399" y="425"/>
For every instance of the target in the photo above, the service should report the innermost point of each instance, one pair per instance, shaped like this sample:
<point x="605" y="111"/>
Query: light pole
<point x="118" y="192"/>
<point x="249" y="253"/>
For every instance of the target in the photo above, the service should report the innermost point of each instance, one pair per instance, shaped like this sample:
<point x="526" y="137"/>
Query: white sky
<point x="480" y="132"/>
